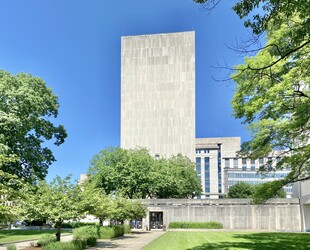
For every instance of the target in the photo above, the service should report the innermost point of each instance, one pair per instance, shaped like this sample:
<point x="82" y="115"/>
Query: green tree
<point x="56" y="201"/>
<point x="272" y="87"/>
<point x="241" y="190"/>
<point x="26" y="108"/>
<point x="135" y="174"/>
<point x="128" y="172"/>
<point x="264" y="191"/>
<point x="176" y="178"/>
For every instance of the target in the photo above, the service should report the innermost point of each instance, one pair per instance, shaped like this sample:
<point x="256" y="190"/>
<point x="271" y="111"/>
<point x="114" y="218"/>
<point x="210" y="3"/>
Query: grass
<point x="7" y="236"/>
<point x="229" y="240"/>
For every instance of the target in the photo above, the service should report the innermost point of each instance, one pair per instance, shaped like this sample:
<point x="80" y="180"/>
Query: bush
<point x="111" y="232"/>
<point x="11" y="247"/>
<point x="46" y="239"/>
<point x="89" y="234"/>
<point x="70" y="245"/>
<point x="196" y="225"/>
<point x="77" y="224"/>
<point x="127" y="229"/>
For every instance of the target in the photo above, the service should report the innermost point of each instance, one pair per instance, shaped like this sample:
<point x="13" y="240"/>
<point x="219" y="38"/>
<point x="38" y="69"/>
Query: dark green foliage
<point x="111" y="232"/>
<point x="46" y="239"/>
<point x="134" y="173"/>
<point x="241" y="190"/>
<point x="77" y="224"/>
<point x="71" y="245"/>
<point x="89" y="234"/>
<point x="196" y="225"/>
<point x="27" y="107"/>
<point x="268" y="190"/>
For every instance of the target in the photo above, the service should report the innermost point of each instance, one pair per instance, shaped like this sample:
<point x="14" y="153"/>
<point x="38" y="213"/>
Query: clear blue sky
<point x="74" y="45"/>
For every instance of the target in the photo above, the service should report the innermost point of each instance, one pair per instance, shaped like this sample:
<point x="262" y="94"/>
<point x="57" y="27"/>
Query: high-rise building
<point x="158" y="93"/>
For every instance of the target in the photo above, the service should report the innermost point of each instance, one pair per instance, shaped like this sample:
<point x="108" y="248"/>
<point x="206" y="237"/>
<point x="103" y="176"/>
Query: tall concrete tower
<point x="158" y="93"/>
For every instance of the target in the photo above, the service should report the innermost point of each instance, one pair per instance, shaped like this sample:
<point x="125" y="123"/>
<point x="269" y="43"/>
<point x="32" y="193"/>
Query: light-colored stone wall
<point x="276" y="214"/>
<point x="158" y="93"/>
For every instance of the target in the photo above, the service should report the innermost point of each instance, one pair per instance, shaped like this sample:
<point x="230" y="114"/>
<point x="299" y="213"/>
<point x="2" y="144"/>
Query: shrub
<point x="127" y="229"/>
<point x="46" y="239"/>
<point x="111" y="232"/>
<point x="196" y="225"/>
<point x="11" y="247"/>
<point x="89" y="234"/>
<point x="77" y="224"/>
<point x="70" y="245"/>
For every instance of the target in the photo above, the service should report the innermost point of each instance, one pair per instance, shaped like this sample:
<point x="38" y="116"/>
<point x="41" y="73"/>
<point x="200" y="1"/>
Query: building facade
<point x="219" y="167"/>
<point x="158" y="93"/>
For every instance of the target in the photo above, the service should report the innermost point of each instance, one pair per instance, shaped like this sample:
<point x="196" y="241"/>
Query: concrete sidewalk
<point x="134" y="241"/>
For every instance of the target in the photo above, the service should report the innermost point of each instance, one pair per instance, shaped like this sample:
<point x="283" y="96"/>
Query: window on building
<point x="252" y="162"/>
<point x="252" y="167"/>
<point x="269" y="162"/>
<point x="261" y="161"/>
<point x="243" y="168"/>
<point x="227" y="165"/>
<point x="243" y="161"/>
<point x="236" y="163"/>
<point x="198" y="166"/>
<point x="207" y="175"/>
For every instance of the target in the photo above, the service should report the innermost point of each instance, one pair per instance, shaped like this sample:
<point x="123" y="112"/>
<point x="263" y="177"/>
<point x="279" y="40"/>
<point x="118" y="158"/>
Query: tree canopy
<point x="272" y="85"/>
<point x="258" y="193"/>
<point x="134" y="173"/>
<point x="27" y="107"/>
<point x="56" y="201"/>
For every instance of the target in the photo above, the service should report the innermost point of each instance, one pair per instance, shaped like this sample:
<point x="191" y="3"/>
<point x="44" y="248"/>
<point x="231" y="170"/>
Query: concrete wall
<point x="158" y="93"/>
<point x="277" y="214"/>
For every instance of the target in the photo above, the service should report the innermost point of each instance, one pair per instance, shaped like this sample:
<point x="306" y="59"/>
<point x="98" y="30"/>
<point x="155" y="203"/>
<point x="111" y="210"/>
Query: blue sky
<point x="74" y="45"/>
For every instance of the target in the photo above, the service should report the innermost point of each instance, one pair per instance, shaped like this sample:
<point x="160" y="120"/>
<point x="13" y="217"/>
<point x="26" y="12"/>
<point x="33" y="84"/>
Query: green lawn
<point x="7" y="236"/>
<point x="230" y="240"/>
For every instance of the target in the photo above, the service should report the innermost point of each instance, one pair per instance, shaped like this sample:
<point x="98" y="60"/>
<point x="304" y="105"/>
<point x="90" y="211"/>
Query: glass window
<point x="243" y="168"/>
<point x="243" y="161"/>
<point x="227" y="163"/>
<point x="198" y="166"/>
<point x="261" y="161"/>
<point x="235" y="163"/>
<point x="252" y="168"/>
<point x="207" y="175"/>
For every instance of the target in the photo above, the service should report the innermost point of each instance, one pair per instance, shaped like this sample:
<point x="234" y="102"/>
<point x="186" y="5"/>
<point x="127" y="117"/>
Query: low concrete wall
<point x="276" y="214"/>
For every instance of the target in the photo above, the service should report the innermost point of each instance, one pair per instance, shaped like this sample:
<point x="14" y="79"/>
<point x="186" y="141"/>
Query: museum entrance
<point x="156" y="220"/>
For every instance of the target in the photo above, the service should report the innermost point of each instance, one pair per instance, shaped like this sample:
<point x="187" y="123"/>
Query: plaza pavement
<point x="134" y="241"/>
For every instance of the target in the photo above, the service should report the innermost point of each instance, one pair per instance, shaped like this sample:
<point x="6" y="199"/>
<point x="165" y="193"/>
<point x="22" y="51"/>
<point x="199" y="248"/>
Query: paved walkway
<point x="134" y="241"/>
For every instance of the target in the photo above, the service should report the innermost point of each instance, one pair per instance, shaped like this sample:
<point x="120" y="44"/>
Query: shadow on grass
<point x="262" y="241"/>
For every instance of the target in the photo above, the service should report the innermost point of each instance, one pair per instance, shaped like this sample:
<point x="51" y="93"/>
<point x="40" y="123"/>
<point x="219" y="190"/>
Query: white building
<point x="158" y="93"/>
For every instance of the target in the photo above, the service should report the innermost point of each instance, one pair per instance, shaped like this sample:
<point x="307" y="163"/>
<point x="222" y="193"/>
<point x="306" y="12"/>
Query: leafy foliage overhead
<point x="272" y="85"/>
<point x="27" y="107"/>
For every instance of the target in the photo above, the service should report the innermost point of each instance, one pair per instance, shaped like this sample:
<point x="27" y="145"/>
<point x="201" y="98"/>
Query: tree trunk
<point x="58" y="228"/>
<point x="100" y="221"/>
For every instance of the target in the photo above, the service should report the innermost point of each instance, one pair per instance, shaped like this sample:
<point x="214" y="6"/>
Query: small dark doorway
<point x="156" y="220"/>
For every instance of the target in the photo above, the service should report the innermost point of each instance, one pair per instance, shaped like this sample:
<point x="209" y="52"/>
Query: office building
<point x="158" y="93"/>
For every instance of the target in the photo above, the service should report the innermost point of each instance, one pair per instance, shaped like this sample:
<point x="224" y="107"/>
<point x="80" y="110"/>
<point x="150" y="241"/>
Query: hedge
<point x="89" y="234"/>
<point x="77" y="224"/>
<point x="196" y="225"/>
<point x="46" y="239"/>
<point x="111" y="232"/>
<point x="70" y="245"/>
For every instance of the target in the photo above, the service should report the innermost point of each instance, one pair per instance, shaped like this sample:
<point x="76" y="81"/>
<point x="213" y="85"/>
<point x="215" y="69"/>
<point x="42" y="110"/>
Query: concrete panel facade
<point x="158" y="93"/>
<point x="275" y="215"/>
